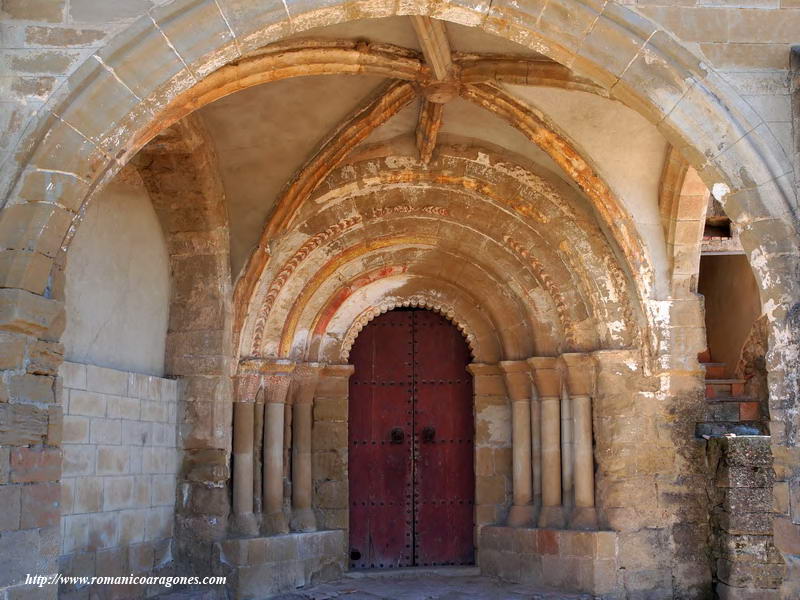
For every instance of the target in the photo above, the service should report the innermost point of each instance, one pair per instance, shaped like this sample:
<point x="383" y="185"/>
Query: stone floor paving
<point x="413" y="585"/>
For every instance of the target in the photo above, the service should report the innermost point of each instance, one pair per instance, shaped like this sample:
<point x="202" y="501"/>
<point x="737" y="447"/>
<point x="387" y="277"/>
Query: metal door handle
<point x="428" y="434"/>
<point x="397" y="435"/>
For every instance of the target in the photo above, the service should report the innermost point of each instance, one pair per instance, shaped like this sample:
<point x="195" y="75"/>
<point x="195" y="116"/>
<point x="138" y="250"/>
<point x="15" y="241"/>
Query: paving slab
<point x="408" y="584"/>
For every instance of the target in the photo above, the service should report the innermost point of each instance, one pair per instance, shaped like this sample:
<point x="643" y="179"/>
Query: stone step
<point x="451" y="571"/>
<point x="714" y="370"/>
<point x="724" y="387"/>
<point x="739" y="410"/>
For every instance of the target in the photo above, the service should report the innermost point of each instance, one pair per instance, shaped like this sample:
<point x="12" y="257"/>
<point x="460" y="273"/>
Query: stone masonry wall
<point x="119" y="473"/>
<point x="745" y="562"/>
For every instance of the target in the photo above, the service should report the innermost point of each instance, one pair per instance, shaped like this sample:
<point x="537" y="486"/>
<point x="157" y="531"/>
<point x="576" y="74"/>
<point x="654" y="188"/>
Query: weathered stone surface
<point x="24" y="312"/>
<point x="22" y="424"/>
<point x="35" y="10"/>
<point x="35" y="464"/>
<point x="27" y="388"/>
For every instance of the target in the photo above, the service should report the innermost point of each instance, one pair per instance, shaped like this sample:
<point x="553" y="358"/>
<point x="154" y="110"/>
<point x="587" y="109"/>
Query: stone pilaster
<point x="493" y="451"/>
<point x="329" y="447"/>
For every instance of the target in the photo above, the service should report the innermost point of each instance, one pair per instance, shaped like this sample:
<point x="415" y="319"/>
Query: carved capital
<point x="483" y="369"/>
<point x="546" y="376"/>
<point x="344" y="371"/>
<point x="579" y="376"/>
<point x="518" y="379"/>
<point x="246" y="387"/>
<point x="306" y="376"/>
<point x="275" y="376"/>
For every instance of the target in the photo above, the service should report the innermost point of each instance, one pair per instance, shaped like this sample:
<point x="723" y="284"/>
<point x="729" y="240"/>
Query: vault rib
<point x="432" y="36"/>
<point x="428" y="126"/>
<point x="533" y="124"/>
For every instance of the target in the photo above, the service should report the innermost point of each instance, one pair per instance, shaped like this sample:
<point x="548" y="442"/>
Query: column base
<point x="244" y="524"/>
<point x="584" y="518"/>
<point x="552" y="517"/>
<point x="522" y="516"/>
<point x="274" y="524"/>
<point x="303" y="520"/>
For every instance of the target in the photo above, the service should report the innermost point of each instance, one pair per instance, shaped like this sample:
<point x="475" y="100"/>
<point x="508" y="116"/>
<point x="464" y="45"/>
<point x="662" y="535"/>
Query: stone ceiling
<point x="264" y="134"/>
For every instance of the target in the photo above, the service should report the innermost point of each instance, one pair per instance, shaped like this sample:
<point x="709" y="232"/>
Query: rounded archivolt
<point x="415" y="302"/>
<point x="522" y="244"/>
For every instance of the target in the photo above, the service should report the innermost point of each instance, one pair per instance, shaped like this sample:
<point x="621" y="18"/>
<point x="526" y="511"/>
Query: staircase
<point x="728" y="410"/>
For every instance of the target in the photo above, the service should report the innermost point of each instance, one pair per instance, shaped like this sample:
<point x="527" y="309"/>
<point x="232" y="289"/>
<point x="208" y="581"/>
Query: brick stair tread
<point x="713" y="364"/>
<point x="724" y="381"/>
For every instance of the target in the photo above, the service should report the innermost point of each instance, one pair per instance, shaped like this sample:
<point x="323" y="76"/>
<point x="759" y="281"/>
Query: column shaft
<point x="551" y="451"/>
<point x="518" y="385"/>
<point x="243" y="414"/>
<point x="584" y="461"/>
<point x="579" y="376"/>
<point x="567" y="464"/>
<point x="536" y="450"/>
<point x="273" y="458"/>
<point x="276" y="388"/>
<point x="521" y="456"/>
<point x="244" y="520"/>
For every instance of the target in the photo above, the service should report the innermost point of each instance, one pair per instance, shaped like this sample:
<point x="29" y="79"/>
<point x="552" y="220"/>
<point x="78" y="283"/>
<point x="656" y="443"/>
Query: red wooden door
<point x="412" y="482"/>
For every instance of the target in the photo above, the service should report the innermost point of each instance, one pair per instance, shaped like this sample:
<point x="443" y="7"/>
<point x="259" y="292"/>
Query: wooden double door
<point x="411" y="449"/>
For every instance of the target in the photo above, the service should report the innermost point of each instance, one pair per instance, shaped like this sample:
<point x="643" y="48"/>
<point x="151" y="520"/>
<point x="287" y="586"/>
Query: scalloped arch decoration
<point x="416" y="301"/>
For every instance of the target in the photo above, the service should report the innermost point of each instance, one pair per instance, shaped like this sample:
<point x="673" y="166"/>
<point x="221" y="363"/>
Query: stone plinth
<point x="258" y="567"/>
<point x="574" y="561"/>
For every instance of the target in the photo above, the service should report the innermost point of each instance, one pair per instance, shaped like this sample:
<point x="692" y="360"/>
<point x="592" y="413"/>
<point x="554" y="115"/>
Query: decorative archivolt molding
<point x="415" y="301"/>
<point x="289" y="267"/>
<point x="550" y="286"/>
<point x="315" y="242"/>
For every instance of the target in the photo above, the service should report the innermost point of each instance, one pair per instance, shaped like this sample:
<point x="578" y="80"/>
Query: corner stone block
<point x="35" y="464"/>
<point x="22" y="424"/>
<point x="40" y="505"/>
<point x="23" y="312"/>
<point x="31" y="388"/>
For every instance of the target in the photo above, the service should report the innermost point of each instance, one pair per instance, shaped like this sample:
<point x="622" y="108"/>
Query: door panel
<point x="444" y="483"/>
<point x="380" y="468"/>
<point x="411" y="496"/>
